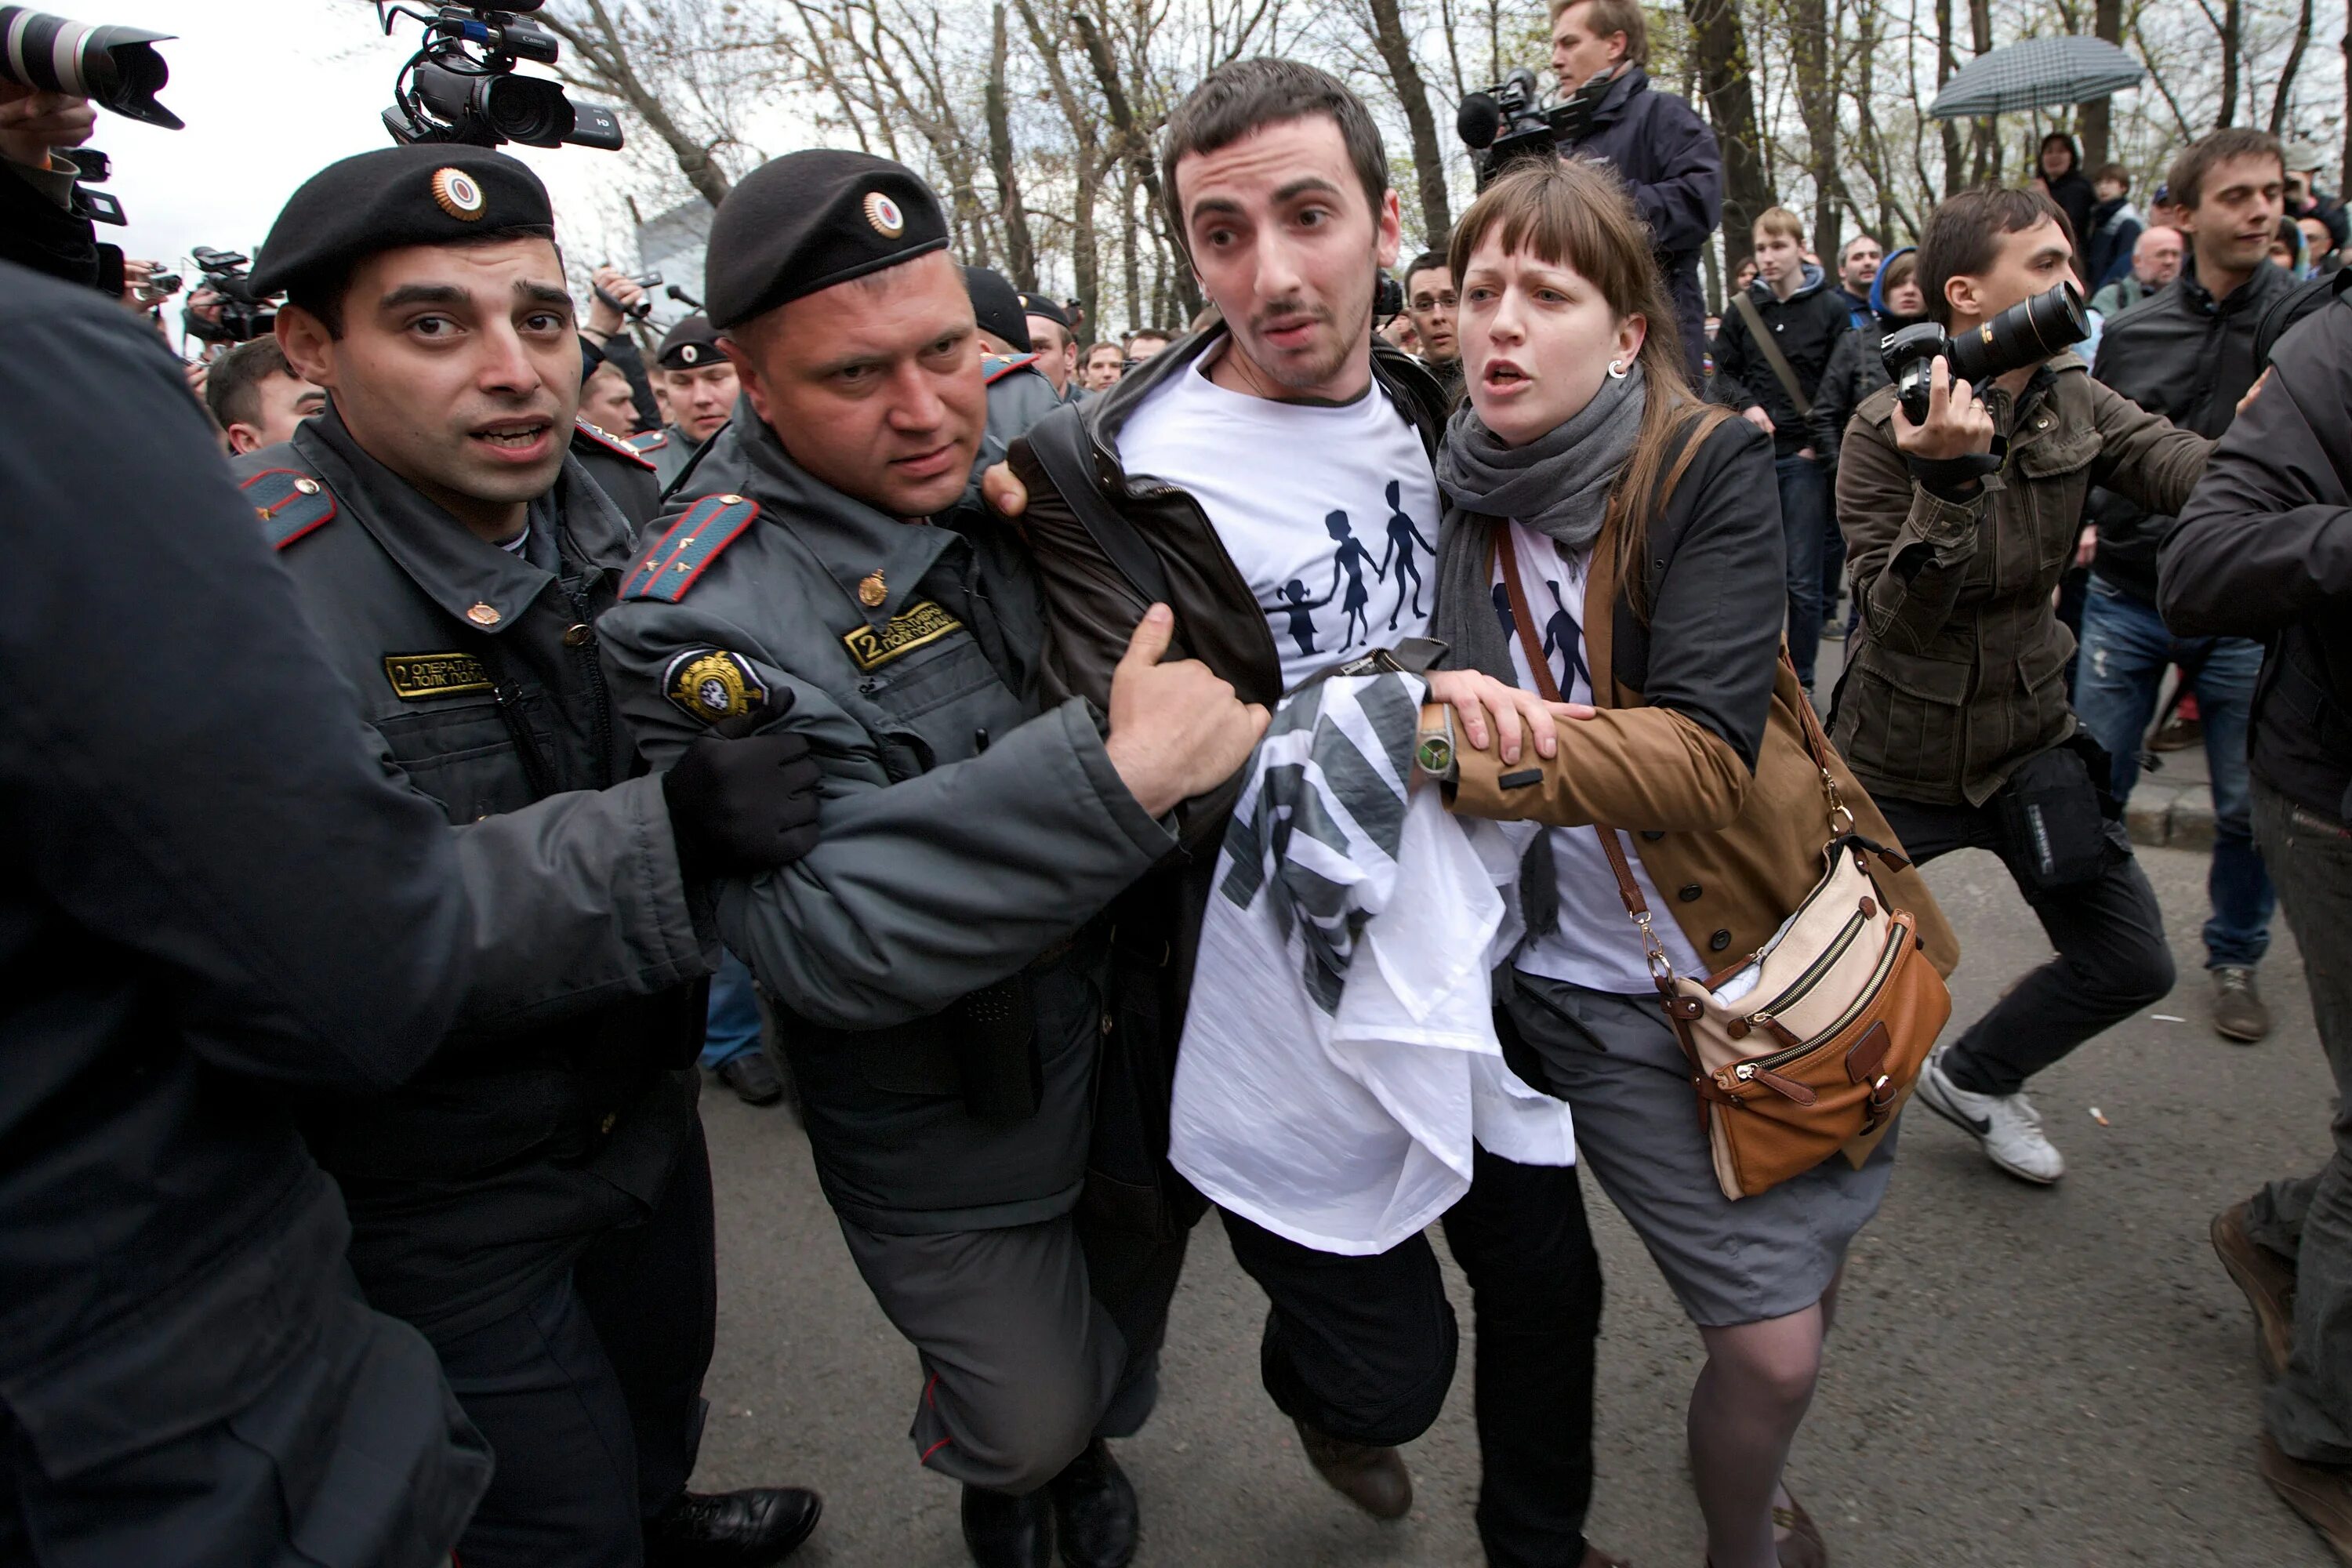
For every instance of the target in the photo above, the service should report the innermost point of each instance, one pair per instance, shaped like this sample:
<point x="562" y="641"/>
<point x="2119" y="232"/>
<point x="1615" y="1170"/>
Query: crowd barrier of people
<point x="1358" y="773"/>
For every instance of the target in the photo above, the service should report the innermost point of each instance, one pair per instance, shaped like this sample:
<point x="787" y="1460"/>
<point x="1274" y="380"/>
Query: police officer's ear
<point x="747" y="367"/>
<point x="306" y="344"/>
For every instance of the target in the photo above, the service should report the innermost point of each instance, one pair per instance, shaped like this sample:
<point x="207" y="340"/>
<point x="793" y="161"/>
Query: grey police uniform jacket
<point x="1019" y="395"/>
<point x="968" y="834"/>
<point x="557" y="1113"/>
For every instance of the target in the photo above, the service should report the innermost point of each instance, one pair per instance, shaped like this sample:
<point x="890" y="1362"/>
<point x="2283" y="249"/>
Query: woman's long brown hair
<point x="1576" y="214"/>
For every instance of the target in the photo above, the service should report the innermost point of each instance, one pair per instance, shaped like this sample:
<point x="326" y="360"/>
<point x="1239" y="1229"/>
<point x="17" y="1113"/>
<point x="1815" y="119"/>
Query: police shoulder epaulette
<point x="997" y="368"/>
<point x="673" y="561"/>
<point x="610" y="442"/>
<point x="289" y="503"/>
<point x="646" y="441"/>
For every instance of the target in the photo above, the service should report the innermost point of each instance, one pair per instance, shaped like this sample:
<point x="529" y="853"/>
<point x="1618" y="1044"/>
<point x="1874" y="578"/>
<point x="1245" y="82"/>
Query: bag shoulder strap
<point x="1060" y="444"/>
<point x="1782" y="371"/>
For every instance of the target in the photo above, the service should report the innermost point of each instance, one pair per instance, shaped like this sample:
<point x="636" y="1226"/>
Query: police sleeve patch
<point x="289" y="503"/>
<point x="712" y="685"/>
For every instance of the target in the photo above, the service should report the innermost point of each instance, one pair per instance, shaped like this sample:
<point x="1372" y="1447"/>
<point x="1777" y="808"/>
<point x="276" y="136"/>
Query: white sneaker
<point x="2007" y="1125"/>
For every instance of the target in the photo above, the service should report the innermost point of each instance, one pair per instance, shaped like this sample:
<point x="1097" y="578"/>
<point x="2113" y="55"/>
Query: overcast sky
<point x="272" y="90"/>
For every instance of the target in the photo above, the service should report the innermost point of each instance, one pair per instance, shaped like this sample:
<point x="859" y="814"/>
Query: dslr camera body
<point x="2026" y="333"/>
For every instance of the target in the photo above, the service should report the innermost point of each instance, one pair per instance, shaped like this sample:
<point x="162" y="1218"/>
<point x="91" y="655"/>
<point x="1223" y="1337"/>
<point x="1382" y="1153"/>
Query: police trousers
<point x="1034" y="1339"/>
<point x="1363" y="1348"/>
<point x="591" y="1392"/>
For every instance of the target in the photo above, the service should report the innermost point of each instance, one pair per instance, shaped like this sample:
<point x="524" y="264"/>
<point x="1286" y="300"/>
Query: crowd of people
<point x="1019" y="737"/>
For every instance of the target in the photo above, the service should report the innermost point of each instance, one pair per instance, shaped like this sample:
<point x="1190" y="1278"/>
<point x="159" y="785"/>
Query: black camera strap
<point x="1781" y="369"/>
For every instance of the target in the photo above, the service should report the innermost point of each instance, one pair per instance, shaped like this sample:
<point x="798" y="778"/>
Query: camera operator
<point x="2187" y="352"/>
<point x="38" y="226"/>
<point x="2260" y="552"/>
<point x="1953" y="711"/>
<point x="1658" y="144"/>
<point x="255" y="397"/>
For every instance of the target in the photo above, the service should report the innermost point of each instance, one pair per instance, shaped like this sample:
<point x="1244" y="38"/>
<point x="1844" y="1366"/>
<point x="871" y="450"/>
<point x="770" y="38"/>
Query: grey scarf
<point x="1557" y="485"/>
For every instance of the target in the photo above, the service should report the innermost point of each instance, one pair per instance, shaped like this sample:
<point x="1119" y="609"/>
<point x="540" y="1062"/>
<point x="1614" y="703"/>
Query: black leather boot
<point x="1009" y="1531"/>
<point x="1095" y="1511"/>
<point x="731" y="1530"/>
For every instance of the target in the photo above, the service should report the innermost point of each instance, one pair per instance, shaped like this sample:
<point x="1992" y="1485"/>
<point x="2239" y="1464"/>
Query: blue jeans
<point x="2125" y="650"/>
<point x="731" y="1027"/>
<point x="1804" y="520"/>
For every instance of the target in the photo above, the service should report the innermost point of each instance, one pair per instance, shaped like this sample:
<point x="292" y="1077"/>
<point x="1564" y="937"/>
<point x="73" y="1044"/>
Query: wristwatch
<point x="1432" y="748"/>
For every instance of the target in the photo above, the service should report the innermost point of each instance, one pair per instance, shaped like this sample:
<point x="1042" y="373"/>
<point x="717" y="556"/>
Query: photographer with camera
<point x="1659" y="145"/>
<point x="2187" y="352"/>
<point x="38" y="226"/>
<point x="1961" y="511"/>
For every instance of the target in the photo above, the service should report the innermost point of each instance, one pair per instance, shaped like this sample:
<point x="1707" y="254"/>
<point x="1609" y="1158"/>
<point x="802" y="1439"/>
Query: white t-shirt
<point x="1596" y="943"/>
<point x="1330" y="514"/>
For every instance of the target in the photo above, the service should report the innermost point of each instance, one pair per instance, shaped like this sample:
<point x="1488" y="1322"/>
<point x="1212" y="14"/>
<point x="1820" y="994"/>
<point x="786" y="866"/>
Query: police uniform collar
<point x="458" y="571"/>
<point x="852" y="540"/>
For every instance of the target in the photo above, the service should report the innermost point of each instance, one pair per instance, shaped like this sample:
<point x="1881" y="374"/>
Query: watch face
<point x="1434" y="753"/>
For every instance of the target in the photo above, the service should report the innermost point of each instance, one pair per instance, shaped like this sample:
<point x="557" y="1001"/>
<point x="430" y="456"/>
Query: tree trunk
<point x="1133" y="137"/>
<point x="1810" y="53"/>
<point x="1724" y="79"/>
<point x="2096" y="124"/>
<point x="1946" y="62"/>
<point x="2233" y="33"/>
<point x="1984" y="132"/>
<point x="1395" y="50"/>
<point x="1020" y="249"/>
<point x="598" y="47"/>
<point x="2286" y="72"/>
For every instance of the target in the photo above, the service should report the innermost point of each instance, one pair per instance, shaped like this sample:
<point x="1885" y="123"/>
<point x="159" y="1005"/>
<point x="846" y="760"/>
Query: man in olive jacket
<point x="1953" y="711"/>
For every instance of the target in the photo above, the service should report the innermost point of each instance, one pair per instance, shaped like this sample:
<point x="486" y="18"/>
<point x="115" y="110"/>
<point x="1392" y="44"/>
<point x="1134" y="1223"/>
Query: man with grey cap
<point x="537" y="1202"/>
<point x="938" y="958"/>
<point x="698" y="386"/>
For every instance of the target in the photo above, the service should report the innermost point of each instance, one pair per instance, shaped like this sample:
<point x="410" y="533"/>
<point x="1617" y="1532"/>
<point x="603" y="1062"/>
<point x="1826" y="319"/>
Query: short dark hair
<point x="1964" y="234"/>
<point x="1428" y="260"/>
<point x="1129" y="342"/>
<point x="233" y="384"/>
<point x="2186" y="179"/>
<point x="2115" y="172"/>
<point x="322" y="292"/>
<point x="1241" y="97"/>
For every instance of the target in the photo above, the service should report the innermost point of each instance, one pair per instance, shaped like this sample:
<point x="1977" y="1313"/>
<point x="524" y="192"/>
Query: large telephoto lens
<point x="115" y="67"/>
<point x="2026" y="333"/>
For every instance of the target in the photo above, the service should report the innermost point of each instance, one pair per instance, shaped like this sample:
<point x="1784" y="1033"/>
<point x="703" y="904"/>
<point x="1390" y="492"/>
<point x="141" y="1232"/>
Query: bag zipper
<point x="1813" y="976"/>
<point x="1747" y="1069"/>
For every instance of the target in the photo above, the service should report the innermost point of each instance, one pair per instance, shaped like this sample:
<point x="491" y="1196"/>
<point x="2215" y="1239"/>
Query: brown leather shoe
<point x="2322" y="1494"/>
<point x="2268" y="1280"/>
<point x="1801" y="1547"/>
<point x="1374" y="1479"/>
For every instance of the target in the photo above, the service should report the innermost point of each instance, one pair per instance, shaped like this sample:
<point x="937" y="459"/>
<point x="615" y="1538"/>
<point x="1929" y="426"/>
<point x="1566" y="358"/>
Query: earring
<point x="1616" y="370"/>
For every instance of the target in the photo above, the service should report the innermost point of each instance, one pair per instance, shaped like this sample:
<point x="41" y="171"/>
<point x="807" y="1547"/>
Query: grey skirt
<point x="1615" y="1061"/>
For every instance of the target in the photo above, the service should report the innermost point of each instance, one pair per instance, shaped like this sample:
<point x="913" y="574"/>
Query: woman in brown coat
<point x="1665" y="620"/>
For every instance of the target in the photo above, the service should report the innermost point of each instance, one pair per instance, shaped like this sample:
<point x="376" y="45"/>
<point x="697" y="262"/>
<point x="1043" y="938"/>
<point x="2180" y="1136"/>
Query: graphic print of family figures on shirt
<point x="1348" y="562"/>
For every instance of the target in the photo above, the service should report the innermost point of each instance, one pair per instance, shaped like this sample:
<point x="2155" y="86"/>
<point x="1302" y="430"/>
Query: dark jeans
<point x="732" y="1024"/>
<point x="2125" y="650"/>
<point x="1363" y="1348"/>
<point x="1832" y="553"/>
<point x="591" y="1395"/>
<point x="1805" y="518"/>
<point x="2109" y="932"/>
<point x="2309" y="1218"/>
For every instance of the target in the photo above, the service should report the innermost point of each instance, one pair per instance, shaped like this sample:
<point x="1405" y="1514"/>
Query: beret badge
<point x="884" y="214"/>
<point x="455" y="192"/>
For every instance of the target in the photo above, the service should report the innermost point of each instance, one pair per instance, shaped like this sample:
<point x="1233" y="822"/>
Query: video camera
<point x="242" y="314"/>
<point x="2026" y="333"/>
<point x="461" y="86"/>
<point x="1509" y="122"/>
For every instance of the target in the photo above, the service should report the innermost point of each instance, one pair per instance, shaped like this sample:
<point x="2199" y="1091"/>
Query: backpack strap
<point x="1782" y="371"/>
<point x="1063" y="449"/>
<point x="289" y="503"/>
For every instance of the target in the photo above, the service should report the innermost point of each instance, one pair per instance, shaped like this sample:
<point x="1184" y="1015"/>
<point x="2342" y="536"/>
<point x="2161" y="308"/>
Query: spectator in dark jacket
<point x="2062" y="180"/>
<point x="2187" y="352"/>
<point x="1855" y="369"/>
<point x="2262" y="551"/>
<point x="1805" y="318"/>
<point x="2116" y="227"/>
<point x="1655" y="142"/>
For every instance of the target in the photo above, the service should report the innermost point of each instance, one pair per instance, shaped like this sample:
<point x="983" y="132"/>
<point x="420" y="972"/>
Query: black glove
<point x="738" y="806"/>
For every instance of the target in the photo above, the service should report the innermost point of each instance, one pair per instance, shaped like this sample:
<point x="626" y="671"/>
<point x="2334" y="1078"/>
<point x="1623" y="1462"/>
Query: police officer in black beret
<point x="1054" y="340"/>
<point x="697" y="384"/>
<point x="539" y="1202"/>
<point x="938" y="958"/>
<point x="1019" y="394"/>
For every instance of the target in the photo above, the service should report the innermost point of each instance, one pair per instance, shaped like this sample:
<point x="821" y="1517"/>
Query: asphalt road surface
<point x="2021" y="1377"/>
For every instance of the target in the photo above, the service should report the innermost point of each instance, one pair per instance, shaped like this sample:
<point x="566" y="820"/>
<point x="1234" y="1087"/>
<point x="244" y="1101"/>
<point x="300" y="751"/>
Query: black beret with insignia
<point x="394" y="196"/>
<point x="689" y="345"/>
<point x="997" y="308"/>
<point x="1046" y="305"/>
<point x="809" y="220"/>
